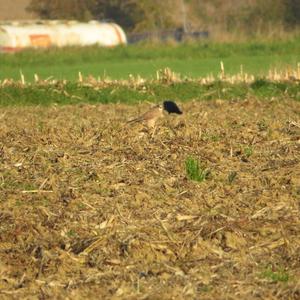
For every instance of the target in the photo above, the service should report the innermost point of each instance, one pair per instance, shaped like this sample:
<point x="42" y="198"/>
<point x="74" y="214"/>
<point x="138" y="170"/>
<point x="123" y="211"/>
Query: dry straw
<point x="166" y="75"/>
<point x="92" y="208"/>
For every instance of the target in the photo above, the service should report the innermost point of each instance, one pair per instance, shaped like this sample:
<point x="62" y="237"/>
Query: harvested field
<point x="94" y="208"/>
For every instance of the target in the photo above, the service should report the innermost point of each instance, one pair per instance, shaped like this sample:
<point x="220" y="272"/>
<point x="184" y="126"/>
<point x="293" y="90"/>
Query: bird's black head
<point x="171" y="107"/>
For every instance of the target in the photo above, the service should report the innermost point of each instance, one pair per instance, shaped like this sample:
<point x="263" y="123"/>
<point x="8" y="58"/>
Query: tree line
<point x="144" y="15"/>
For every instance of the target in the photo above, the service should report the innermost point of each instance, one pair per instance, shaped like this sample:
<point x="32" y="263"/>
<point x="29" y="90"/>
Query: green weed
<point x="195" y="171"/>
<point x="262" y="125"/>
<point x="71" y="233"/>
<point x="275" y="276"/>
<point x="211" y="137"/>
<point x="204" y="288"/>
<point x="232" y="176"/>
<point x="248" y="151"/>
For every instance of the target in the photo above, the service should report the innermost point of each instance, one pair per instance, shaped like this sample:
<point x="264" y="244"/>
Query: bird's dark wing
<point x="171" y="107"/>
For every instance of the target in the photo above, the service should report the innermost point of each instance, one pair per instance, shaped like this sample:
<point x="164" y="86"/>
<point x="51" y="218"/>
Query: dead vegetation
<point x="94" y="208"/>
<point x="163" y="76"/>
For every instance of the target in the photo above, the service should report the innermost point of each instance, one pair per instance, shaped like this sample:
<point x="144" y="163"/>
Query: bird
<point x="150" y="117"/>
<point x="171" y="107"/>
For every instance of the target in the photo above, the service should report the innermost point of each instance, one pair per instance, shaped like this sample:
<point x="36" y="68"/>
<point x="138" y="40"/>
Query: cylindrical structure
<point x="42" y="34"/>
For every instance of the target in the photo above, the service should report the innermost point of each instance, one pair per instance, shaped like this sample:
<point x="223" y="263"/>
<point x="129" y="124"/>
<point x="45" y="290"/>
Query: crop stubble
<point x="92" y="207"/>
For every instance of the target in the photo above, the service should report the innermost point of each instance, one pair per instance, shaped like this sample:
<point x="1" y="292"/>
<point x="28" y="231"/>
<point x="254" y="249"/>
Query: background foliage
<point x="137" y="15"/>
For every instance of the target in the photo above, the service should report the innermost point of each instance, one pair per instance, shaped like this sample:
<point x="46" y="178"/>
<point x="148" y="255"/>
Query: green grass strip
<point x="73" y="93"/>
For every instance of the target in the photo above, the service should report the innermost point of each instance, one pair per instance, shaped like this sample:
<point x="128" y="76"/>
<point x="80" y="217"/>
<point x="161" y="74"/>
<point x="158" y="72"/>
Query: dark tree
<point x="292" y="15"/>
<point x="67" y="9"/>
<point x="146" y="15"/>
<point x="130" y="14"/>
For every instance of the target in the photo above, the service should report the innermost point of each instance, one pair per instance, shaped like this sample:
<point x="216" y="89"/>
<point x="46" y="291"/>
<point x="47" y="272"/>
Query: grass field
<point x="130" y="93"/>
<point x="192" y="60"/>
<point x="205" y="207"/>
